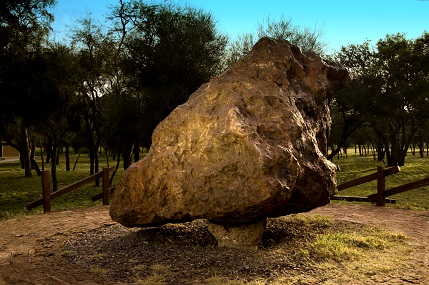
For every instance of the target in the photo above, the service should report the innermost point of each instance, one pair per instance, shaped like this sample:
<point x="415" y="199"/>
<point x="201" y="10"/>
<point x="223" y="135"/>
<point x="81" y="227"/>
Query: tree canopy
<point x="24" y="24"/>
<point x="390" y="91"/>
<point x="111" y="85"/>
<point x="169" y="51"/>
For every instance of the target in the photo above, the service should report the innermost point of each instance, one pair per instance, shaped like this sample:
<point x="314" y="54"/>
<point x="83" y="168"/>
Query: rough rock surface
<point x="247" y="145"/>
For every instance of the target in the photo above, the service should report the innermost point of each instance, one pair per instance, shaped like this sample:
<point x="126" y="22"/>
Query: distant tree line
<point x="387" y="103"/>
<point x="106" y="89"/>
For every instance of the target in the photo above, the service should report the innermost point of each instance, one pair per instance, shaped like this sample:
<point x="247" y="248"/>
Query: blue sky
<point x="343" y="21"/>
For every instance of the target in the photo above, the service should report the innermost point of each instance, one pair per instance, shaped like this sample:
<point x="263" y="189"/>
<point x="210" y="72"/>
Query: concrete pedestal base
<point x="241" y="237"/>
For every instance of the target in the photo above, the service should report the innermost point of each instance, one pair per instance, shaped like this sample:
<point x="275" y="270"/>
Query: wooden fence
<point x="47" y="196"/>
<point x="380" y="197"/>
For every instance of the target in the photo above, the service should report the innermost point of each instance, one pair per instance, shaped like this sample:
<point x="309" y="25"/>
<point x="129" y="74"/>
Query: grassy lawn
<point x="16" y="190"/>
<point x="415" y="168"/>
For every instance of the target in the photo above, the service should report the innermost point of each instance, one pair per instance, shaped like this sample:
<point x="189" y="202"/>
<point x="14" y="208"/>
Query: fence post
<point x="106" y="186"/>
<point x="381" y="186"/>
<point x="46" y="190"/>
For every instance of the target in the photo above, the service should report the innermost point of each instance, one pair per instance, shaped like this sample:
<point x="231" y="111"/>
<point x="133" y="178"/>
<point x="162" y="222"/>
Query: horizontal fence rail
<point x="380" y="197"/>
<point x="47" y="196"/>
<point x="101" y="195"/>
<point x="370" y="177"/>
<point x="405" y="187"/>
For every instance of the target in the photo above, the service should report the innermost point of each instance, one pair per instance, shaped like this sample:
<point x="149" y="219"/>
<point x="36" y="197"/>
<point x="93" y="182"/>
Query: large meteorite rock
<point x="245" y="146"/>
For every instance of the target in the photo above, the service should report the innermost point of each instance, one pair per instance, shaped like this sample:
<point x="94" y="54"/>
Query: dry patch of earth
<point x="85" y="246"/>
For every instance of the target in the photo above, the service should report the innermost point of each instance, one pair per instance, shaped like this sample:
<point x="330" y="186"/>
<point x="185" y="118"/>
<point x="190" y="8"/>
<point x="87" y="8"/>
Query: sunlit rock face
<point x="245" y="146"/>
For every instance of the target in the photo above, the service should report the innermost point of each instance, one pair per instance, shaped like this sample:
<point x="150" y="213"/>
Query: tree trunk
<point x="57" y="158"/>
<point x="136" y="152"/>
<point x="118" y="161"/>
<point x="97" y="181"/>
<point x="387" y="151"/>
<point x="33" y="161"/>
<point x="41" y="155"/>
<point x="126" y="158"/>
<point x="334" y="152"/>
<point x="421" y="146"/>
<point x="91" y="160"/>
<point x="107" y="156"/>
<point x="25" y="152"/>
<point x="394" y="158"/>
<point x="53" y="150"/>
<point x="380" y="153"/>
<point x="75" y="163"/>
<point x="345" y="134"/>
<point x="48" y="156"/>
<point x="67" y="157"/>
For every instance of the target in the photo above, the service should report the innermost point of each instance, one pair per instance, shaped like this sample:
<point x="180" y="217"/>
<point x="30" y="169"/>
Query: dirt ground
<point x="45" y="249"/>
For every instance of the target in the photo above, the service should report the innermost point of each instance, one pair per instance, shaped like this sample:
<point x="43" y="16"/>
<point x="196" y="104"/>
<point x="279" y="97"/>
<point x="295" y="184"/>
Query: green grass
<point x="415" y="168"/>
<point x="334" y="253"/>
<point x="16" y="190"/>
<point x="352" y="245"/>
<point x="357" y="254"/>
<point x="322" y="251"/>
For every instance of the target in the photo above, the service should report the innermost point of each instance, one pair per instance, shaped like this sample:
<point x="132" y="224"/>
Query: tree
<point x="347" y="106"/>
<point x="93" y="49"/>
<point x="56" y="89"/>
<point x="394" y="87"/>
<point x="24" y="24"/>
<point x="169" y="52"/>
<point x="123" y="111"/>
<point x="123" y="123"/>
<point x="401" y="106"/>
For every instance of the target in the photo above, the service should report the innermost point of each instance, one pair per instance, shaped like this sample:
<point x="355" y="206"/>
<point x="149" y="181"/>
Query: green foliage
<point x="169" y="52"/>
<point x="24" y="83"/>
<point x="308" y="39"/>
<point x="147" y="63"/>
<point x="23" y="27"/>
<point x="93" y="50"/>
<point x="238" y="48"/>
<point x="23" y="24"/>
<point x="354" y="166"/>
<point x="389" y="93"/>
